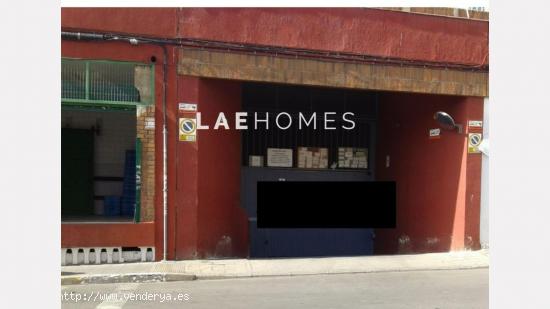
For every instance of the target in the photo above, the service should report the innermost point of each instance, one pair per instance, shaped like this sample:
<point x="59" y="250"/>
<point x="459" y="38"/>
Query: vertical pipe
<point x="164" y="155"/>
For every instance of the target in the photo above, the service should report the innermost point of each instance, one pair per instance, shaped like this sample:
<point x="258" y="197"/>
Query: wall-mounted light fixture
<point x="447" y="122"/>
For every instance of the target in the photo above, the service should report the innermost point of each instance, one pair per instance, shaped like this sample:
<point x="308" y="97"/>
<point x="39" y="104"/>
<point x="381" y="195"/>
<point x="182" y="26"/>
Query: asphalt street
<point x="412" y="289"/>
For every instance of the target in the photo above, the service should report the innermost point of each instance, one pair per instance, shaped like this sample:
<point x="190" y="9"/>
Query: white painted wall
<point x="484" y="212"/>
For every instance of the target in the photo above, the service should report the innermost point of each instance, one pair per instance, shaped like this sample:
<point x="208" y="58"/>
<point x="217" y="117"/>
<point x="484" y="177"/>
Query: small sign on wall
<point x="187" y="130"/>
<point x="475" y="126"/>
<point x="474" y="140"/>
<point x="435" y="133"/>
<point x="475" y="123"/>
<point x="187" y="107"/>
<point x="279" y="157"/>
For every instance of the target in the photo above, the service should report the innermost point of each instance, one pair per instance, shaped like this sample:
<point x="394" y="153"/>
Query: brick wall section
<point x="147" y="136"/>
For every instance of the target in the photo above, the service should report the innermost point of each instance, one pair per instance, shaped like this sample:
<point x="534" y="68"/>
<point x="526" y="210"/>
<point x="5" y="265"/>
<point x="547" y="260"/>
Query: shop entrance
<point x="101" y="102"/>
<point x="98" y="163"/>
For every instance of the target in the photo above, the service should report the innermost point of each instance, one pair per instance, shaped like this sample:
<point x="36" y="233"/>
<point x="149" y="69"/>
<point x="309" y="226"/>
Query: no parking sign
<point x="474" y="140"/>
<point x="187" y="130"/>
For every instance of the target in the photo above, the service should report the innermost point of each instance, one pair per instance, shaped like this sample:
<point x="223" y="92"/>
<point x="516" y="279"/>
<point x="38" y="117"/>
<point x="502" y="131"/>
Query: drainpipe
<point x="164" y="155"/>
<point x="83" y="36"/>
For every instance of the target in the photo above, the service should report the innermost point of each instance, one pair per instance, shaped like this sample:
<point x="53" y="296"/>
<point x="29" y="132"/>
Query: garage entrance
<point x="306" y="154"/>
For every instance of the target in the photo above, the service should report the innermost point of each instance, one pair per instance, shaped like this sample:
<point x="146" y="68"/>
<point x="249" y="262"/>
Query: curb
<point x="232" y="269"/>
<point x="125" y="278"/>
<point x="168" y="277"/>
<point x="389" y="270"/>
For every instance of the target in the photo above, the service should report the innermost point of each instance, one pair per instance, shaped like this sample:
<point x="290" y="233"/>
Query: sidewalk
<point x="234" y="268"/>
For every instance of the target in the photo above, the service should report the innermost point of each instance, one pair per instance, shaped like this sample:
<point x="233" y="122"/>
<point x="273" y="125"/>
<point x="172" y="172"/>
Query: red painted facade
<point x="161" y="22"/>
<point x="208" y="199"/>
<point x="108" y="235"/>
<point x="438" y="182"/>
<point x="363" y="31"/>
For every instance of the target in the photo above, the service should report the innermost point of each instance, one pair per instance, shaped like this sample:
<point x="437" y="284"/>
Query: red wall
<point x="161" y="22"/>
<point x="222" y="222"/>
<point x="438" y="183"/>
<point x="107" y="235"/>
<point x="353" y="30"/>
<point x="185" y="177"/>
<point x="210" y="221"/>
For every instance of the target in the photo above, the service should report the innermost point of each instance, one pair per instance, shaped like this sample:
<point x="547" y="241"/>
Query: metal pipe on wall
<point x="164" y="156"/>
<point x="281" y="51"/>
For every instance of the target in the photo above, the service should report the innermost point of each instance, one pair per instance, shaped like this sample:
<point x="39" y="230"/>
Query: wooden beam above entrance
<point x="328" y="73"/>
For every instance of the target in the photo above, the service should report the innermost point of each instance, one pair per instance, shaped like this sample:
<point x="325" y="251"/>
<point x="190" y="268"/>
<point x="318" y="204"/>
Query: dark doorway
<point x="77" y="164"/>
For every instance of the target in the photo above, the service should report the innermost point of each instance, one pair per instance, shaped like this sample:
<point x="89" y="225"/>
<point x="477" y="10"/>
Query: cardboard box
<point x="256" y="161"/>
<point x="312" y="157"/>
<point x="349" y="157"/>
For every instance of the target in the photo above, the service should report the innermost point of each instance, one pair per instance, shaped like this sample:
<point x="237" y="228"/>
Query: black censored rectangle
<point x="332" y="204"/>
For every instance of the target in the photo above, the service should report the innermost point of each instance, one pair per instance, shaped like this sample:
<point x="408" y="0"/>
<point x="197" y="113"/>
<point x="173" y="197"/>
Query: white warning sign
<point x="435" y="133"/>
<point x="188" y="107"/>
<point x="475" y="123"/>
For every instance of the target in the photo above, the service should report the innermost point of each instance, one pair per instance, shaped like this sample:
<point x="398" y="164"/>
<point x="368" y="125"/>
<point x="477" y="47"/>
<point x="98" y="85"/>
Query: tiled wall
<point x="146" y="132"/>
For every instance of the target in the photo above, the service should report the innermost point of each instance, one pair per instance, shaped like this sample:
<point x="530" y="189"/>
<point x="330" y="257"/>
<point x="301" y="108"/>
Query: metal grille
<point x="106" y="82"/>
<point x="73" y="79"/>
<point x="113" y="82"/>
<point x="262" y="98"/>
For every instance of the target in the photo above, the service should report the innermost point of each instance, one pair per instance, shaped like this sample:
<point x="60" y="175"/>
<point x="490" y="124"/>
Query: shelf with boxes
<point x="312" y="158"/>
<point x="351" y="157"/>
